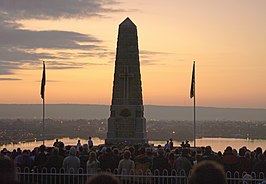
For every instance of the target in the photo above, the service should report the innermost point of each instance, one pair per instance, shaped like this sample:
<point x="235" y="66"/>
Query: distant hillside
<point x="80" y="111"/>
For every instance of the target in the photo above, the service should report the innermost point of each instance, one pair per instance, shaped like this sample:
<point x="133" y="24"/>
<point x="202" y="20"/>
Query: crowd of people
<point x="126" y="159"/>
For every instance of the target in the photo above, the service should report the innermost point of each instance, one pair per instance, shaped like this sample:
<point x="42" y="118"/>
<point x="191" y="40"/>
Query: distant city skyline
<point x="77" y="39"/>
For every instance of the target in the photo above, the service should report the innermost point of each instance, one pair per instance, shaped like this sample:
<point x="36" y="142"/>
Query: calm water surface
<point x="218" y="144"/>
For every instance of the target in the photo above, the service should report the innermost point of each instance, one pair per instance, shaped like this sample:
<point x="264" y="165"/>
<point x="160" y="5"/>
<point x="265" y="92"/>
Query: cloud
<point x="146" y="57"/>
<point x="151" y="57"/>
<point x="28" y="39"/>
<point x="20" y="48"/>
<point x="9" y="79"/>
<point x="147" y="52"/>
<point x="54" y="9"/>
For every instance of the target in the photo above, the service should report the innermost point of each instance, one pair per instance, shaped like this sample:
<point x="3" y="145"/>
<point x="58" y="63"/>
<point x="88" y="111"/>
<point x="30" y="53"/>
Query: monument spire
<point x="126" y="122"/>
<point x="127" y="22"/>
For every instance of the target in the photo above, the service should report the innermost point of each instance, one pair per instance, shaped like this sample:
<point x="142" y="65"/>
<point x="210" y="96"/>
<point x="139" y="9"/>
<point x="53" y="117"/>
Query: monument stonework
<point x="127" y="123"/>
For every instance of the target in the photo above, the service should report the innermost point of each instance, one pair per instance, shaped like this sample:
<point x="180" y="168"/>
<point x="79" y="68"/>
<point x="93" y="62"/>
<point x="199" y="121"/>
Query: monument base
<point x="126" y="130"/>
<point x="112" y="141"/>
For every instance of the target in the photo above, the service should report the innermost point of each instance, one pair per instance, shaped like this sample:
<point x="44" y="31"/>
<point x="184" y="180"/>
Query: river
<point x="217" y="144"/>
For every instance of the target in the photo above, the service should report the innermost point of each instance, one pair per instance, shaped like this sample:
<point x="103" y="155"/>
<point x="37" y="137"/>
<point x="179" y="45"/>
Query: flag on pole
<point x="43" y="82"/>
<point x="192" y="89"/>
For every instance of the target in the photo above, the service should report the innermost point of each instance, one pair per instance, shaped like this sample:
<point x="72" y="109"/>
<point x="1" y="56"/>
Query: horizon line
<point x="253" y="108"/>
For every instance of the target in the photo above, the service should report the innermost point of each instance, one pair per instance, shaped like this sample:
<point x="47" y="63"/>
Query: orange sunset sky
<point x="77" y="39"/>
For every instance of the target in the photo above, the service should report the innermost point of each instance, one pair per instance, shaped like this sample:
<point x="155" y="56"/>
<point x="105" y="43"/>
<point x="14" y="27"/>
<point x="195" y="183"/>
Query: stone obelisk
<point x="127" y="123"/>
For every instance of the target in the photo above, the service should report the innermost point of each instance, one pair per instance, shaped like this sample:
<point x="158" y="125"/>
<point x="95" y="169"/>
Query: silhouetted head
<point x="207" y="172"/>
<point x="127" y="154"/>
<point x="208" y="150"/>
<point x="185" y="152"/>
<point x="116" y="151"/>
<point x="160" y="151"/>
<point x="228" y="149"/>
<point x="72" y="151"/>
<point x="85" y="147"/>
<point x="141" y="150"/>
<point x="25" y="153"/>
<point x="92" y="156"/>
<point x="131" y="149"/>
<point x="42" y="148"/>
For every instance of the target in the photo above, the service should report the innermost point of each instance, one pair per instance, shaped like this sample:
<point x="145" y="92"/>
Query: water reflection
<point x="218" y="144"/>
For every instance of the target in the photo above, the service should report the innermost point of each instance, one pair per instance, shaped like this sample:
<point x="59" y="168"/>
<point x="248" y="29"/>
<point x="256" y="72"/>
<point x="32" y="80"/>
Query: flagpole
<point x="43" y="118"/>
<point x="194" y="111"/>
<point x="43" y="101"/>
<point x="193" y="95"/>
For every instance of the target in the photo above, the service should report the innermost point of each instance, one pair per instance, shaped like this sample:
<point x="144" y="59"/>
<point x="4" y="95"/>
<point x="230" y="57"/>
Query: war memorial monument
<point x="127" y="123"/>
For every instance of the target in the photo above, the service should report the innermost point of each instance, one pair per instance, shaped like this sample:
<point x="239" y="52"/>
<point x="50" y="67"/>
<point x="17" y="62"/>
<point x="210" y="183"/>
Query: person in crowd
<point x="149" y="153"/>
<point x="142" y="162"/>
<point x="24" y="160"/>
<point x="220" y="155"/>
<point x="14" y="154"/>
<point x="93" y="164"/>
<point x="116" y="156"/>
<point x="209" y="154"/>
<point x="244" y="163"/>
<point x="56" y="143"/>
<point x="71" y="163"/>
<point x="103" y="178"/>
<point x="183" y="164"/>
<point x="7" y="171"/>
<point x="197" y="158"/>
<point x="132" y="151"/>
<point x="187" y="145"/>
<point x="260" y="165"/>
<point x="54" y="160"/>
<point x="229" y="160"/>
<point x="258" y="152"/>
<point x="78" y="145"/>
<point x="90" y="143"/>
<point x="84" y="156"/>
<point x="171" y="161"/>
<point x="171" y="144"/>
<point x="160" y="163"/>
<point x="126" y="165"/>
<point x="167" y="145"/>
<point x="207" y="172"/>
<point x="62" y="150"/>
<point x="182" y="144"/>
<point x="106" y="159"/>
<point x="40" y="157"/>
